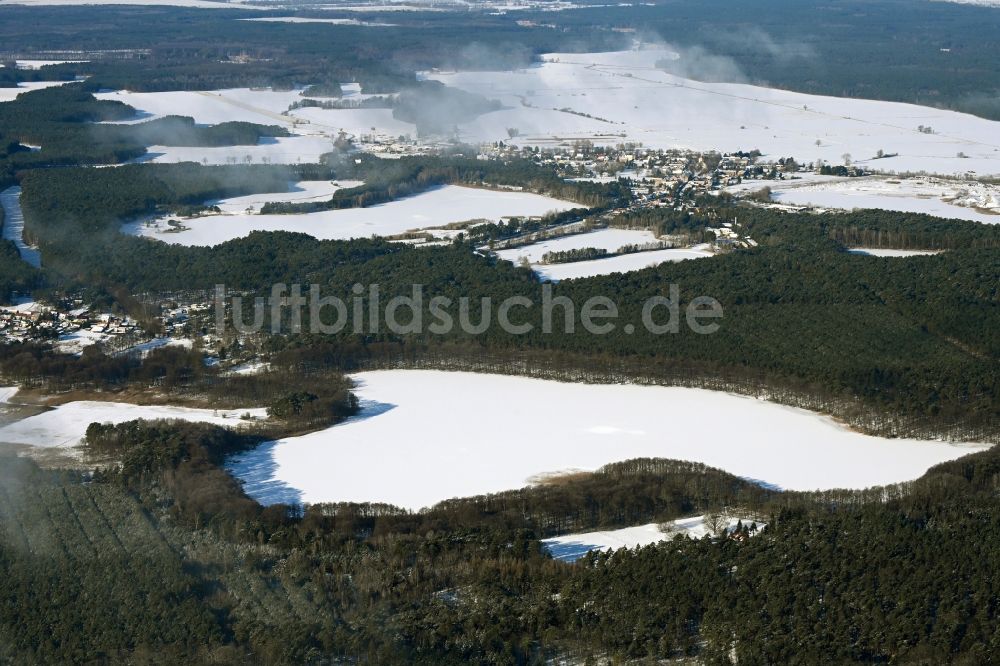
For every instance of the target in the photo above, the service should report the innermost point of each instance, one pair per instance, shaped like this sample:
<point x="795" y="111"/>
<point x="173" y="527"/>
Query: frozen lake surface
<point x="427" y="436"/>
<point x="13" y="226"/>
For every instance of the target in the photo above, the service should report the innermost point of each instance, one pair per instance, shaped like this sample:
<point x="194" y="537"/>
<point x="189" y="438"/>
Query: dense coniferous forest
<point x="914" y="337"/>
<point x="67" y="122"/>
<point x="166" y="560"/>
<point x="146" y="550"/>
<point x="296" y="401"/>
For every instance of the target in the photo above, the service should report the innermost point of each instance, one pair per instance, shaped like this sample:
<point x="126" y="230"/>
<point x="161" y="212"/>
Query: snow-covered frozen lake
<point x="436" y="207"/>
<point x="13" y="226"/>
<point x="427" y="436"/>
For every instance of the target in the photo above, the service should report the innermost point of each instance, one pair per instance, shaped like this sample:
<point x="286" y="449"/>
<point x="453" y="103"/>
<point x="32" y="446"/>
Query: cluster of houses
<point x="658" y="177"/>
<point x="72" y="326"/>
<point x="727" y="237"/>
<point x="37" y="321"/>
<point x="179" y="317"/>
<point x="17" y="322"/>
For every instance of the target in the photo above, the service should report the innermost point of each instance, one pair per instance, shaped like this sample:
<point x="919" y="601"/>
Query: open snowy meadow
<point x="300" y="192"/>
<point x="263" y="106"/>
<point x="38" y="64"/>
<point x="571" y="547"/>
<point x="10" y="94"/>
<point x="313" y="128"/>
<point x="65" y="426"/>
<point x="963" y="200"/>
<point x="624" y="263"/>
<point x="427" y="436"/>
<point x="194" y="4"/>
<point x="605" y="239"/>
<point x="614" y="97"/>
<point x="270" y="150"/>
<point x="887" y="252"/>
<point x="329" y="21"/>
<point x="436" y="207"/>
<point x="611" y="240"/>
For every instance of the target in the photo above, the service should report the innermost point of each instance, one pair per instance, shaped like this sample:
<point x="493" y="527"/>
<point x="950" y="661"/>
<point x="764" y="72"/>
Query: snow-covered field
<point x="331" y="21"/>
<point x="77" y="341"/>
<point x="356" y="122"/>
<point x="314" y="129"/>
<point x="958" y="199"/>
<point x="624" y="263"/>
<point x="627" y="98"/>
<point x="300" y="192"/>
<point x="272" y="150"/>
<point x="66" y="425"/>
<point x="981" y="3"/>
<point x="9" y="94"/>
<point x="249" y="368"/>
<point x="606" y="239"/>
<point x="387" y="7"/>
<point x="262" y="106"/>
<point x="199" y="4"/>
<point x="630" y="99"/>
<point x="10" y="413"/>
<point x="426" y="436"/>
<point x="882" y="252"/>
<point x="571" y="547"/>
<point x="6" y="393"/>
<point x="436" y="207"/>
<point x="38" y="64"/>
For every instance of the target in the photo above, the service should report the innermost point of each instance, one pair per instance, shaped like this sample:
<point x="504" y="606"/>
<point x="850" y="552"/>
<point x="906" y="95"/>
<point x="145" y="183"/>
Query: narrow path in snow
<point x="247" y="107"/>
